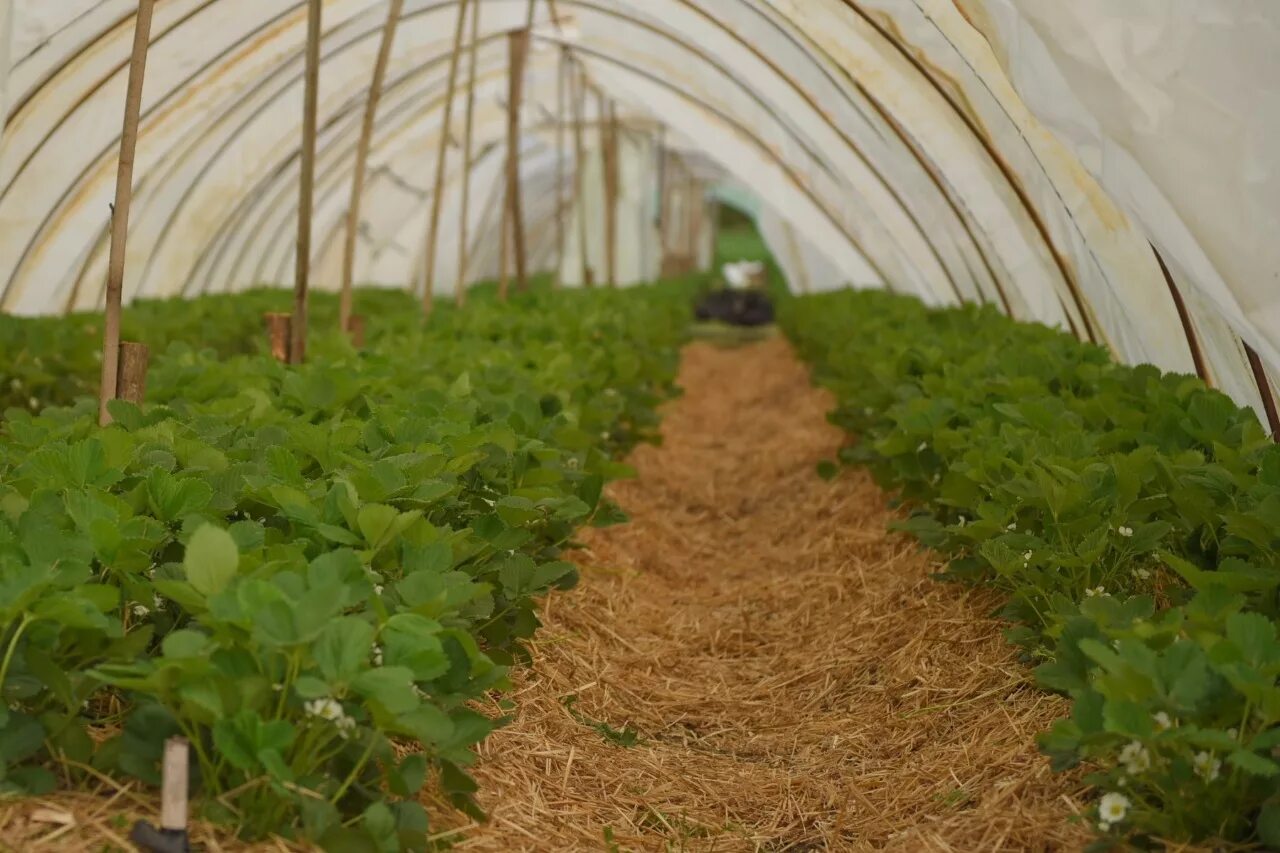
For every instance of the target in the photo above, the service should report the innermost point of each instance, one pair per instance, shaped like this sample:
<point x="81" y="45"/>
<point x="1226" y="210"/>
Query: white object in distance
<point x="741" y="275"/>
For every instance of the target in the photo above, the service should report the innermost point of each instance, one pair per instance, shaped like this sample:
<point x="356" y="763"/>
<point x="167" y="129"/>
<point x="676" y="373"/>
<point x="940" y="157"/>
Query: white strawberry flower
<point x="1126" y="532"/>
<point x="1142" y="574"/>
<point x="1112" y="809"/>
<point x="1162" y="720"/>
<point x="1135" y="758"/>
<point x="325" y="709"/>
<point x="924" y="445"/>
<point x="1207" y="766"/>
<point x="1011" y="526"/>
<point x="377" y="655"/>
<point x="141" y="611"/>
<point x="1096" y="592"/>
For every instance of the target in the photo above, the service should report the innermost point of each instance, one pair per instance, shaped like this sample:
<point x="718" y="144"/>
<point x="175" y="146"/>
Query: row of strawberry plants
<point x="311" y="571"/>
<point x="52" y="361"/>
<point x="1132" y="519"/>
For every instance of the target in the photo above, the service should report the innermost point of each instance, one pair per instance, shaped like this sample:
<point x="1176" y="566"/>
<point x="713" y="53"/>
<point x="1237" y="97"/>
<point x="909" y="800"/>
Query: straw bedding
<point x="790" y="677"/>
<point x="796" y="679"/>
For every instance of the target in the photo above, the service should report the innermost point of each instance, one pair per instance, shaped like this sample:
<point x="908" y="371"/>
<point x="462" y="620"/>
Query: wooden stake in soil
<point x="355" y="330"/>
<point x="279" y="332"/>
<point x="468" y="145"/>
<point x="175" y="785"/>
<point x="437" y="196"/>
<point x="120" y="211"/>
<point x="579" y="98"/>
<point x="172" y="836"/>
<point x="518" y="50"/>
<point x="345" y="299"/>
<point x="306" y="189"/>
<point x="131" y="377"/>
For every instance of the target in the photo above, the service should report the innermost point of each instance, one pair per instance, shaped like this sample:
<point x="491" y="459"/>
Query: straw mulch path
<point x="796" y="680"/>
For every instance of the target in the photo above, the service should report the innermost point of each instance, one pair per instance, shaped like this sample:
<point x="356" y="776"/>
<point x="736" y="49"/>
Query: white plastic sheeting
<point x="1022" y="153"/>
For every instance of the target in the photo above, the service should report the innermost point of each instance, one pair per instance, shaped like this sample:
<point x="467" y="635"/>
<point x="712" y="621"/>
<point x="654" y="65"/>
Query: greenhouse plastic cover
<point x="1039" y="155"/>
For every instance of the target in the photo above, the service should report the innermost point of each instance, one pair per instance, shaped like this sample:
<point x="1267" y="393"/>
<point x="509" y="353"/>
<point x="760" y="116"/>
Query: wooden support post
<point x="437" y="196"/>
<point x="664" y="207"/>
<point x="131" y="376"/>
<point x="518" y="49"/>
<point x="579" y="96"/>
<point x="504" y="246"/>
<point x="120" y="210"/>
<point x="355" y="330"/>
<point x="492" y="210"/>
<point x="1264" y="389"/>
<point x="468" y="145"/>
<point x="713" y="224"/>
<point x="691" y="219"/>
<point x="660" y="155"/>
<point x="175" y="785"/>
<point x="609" y="163"/>
<point x="561" y="106"/>
<point x="306" y="189"/>
<point x="1188" y="328"/>
<point x="346" y="298"/>
<point x="279" y="333"/>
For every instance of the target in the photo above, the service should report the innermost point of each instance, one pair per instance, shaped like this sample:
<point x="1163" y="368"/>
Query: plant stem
<point x="27" y="619"/>
<point x="355" y="771"/>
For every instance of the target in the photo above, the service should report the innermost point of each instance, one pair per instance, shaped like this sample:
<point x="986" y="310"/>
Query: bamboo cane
<point x="437" y="199"/>
<point x="579" y="97"/>
<point x="120" y="210"/>
<point x="504" y="244"/>
<point x="493" y="209"/>
<point x="518" y="49"/>
<point x="560" y="164"/>
<point x="460" y="288"/>
<point x="691" y="218"/>
<point x="346" y="298"/>
<point x="302" y="273"/>
<point x="608" y="152"/>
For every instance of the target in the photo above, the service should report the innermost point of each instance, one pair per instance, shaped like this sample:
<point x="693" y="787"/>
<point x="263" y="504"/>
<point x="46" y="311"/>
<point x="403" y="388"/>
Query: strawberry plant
<point x="1132" y="519"/>
<point x="312" y="571"/>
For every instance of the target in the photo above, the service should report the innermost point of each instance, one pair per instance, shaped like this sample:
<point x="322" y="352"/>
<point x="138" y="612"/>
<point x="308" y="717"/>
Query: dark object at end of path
<point x="735" y="307"/>
<point x="153" y="840"/>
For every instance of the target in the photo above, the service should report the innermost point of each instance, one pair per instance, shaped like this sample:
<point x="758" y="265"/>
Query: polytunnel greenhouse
<point x="606" y="425"/>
